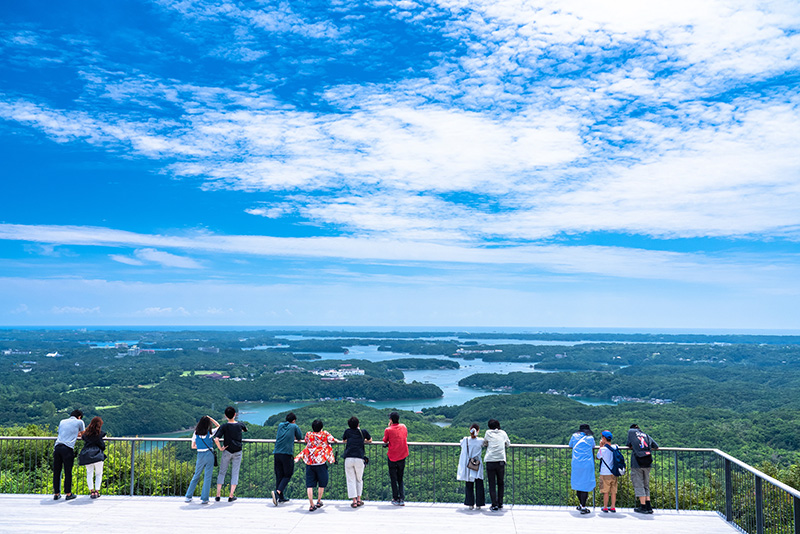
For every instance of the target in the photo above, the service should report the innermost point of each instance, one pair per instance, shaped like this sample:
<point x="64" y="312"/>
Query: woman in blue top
<point x="582" y="445"/>
<point x="202" y="441"/>
<point x="471" y="448"/>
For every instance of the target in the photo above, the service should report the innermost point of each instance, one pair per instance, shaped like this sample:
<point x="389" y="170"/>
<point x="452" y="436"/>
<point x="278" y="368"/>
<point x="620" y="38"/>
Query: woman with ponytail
<point x="470" y="468"/>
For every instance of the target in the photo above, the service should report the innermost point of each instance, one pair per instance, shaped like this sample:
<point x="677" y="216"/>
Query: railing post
<point x="675" y="459"/>
<point x="434" y="475"/>
<point x="133" y="470"/>
<point x="759" y="505"/>
<point x="728" y="492"/>
<point x="796" y="515"/>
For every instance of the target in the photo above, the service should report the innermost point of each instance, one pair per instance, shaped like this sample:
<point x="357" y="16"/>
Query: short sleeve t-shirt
<point x="231" y="435"/>
<point x="68" y="430"/>
<point x="355" y="442"/>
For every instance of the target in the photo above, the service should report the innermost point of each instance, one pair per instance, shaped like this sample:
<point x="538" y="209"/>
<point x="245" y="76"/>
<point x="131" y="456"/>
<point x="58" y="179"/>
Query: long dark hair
<point x="94" y="428"/>
<point x="203" y="426"/>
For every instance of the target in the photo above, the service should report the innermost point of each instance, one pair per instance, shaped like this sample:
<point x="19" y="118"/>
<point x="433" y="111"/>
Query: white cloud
<point x="157" y="311"/>
<point x="74" y="310"/>
<point x="617" y="262"/>
<point x="125" y="259"/>
<point x="550" y="118"/>
<point x="166" y="259"/>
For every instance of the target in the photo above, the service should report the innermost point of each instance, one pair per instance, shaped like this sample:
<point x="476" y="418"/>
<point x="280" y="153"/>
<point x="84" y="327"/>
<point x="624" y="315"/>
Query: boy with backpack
<point x="642" y="447"/>
<point x="612" y="465"/>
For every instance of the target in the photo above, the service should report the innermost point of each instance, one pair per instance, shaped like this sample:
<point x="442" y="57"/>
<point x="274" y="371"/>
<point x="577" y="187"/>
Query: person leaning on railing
<point x="69" y="430"/>
<point x="395" y="438"/>
<point x="641" y="446"/>
<point x="496" y="440"/>
<point x="283" y="456"/>
<point x="92" y="455"/>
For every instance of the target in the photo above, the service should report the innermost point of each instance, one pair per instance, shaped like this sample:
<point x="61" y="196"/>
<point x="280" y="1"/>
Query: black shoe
<point x="56" y="496"/>
<point x="585" y="510"/>
<point x="640" y="509"/>
<point x="494" y="508"/>
<point x="274" y="499"/>
<point x="283" y="500"/>
<point x="500" y="506"/>
<point x="216" y="499"/>
<point x="649" y="507"/>
<point x="70" y="497"/>
<point x="231" y="499"/>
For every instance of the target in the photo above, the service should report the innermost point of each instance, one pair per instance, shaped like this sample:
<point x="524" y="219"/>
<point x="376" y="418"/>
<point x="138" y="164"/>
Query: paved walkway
<point x="39" y="514"/>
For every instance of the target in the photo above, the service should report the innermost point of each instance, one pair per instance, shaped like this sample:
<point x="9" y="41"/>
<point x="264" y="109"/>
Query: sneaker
<point x="216" y="499"/>
<point x="585" y="511"/>
<point x="500" y="506"/>
<point x="283" y="500"/>
<point x="274" y="499"/>
<point x="640" y="510"/>
<point x="648" y="507"/>
<point x="205" y="502"/>
<point x="612" y="510"/>
<point x="231" y="499"/>
<point x="401" y="502"/>
<point x="70" y="497"/>
<point x="56" y="496"/>
<point x="395" y="502"/>
<point x="188" y="500"/>
<point x="578" y="508"/>
<point x="494" y="508"/>
<point x="605" y="510"/>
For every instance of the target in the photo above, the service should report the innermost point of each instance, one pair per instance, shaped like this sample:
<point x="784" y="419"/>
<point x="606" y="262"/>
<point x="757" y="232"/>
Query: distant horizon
<point x="421" y="329"/>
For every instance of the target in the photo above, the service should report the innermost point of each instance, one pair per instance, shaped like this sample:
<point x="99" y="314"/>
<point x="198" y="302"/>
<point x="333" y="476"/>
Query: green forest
<point x="734" y="393"/>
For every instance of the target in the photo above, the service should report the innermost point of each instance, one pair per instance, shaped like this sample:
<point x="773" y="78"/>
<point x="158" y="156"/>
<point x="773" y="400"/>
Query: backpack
<point x="644" y="456"/>
<point x="617" y="466"/>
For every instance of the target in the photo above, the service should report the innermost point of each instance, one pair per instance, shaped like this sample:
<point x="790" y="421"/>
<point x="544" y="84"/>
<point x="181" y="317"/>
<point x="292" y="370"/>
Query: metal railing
<point x="681" y="478"/>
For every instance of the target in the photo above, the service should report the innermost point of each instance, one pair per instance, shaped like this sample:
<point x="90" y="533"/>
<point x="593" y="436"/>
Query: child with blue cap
<point x="608" y="482"/>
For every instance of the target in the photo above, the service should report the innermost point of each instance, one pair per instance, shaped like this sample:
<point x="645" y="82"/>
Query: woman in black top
<point x="92" y="455"/>
<point x="354" y="460"/>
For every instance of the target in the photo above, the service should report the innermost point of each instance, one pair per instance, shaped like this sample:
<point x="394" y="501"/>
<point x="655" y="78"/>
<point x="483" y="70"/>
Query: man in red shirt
<point x="396" y="439"/>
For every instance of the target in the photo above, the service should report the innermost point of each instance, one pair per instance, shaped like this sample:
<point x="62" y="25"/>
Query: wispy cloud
<point x="596" y="260"/>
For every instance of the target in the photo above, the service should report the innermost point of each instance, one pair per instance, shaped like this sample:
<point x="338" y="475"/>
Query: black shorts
<point x="317" y="475"/>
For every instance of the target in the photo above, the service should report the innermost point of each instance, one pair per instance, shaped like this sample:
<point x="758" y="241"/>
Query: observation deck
<point x="40" y="514"/>
<point x="144" y="480"/>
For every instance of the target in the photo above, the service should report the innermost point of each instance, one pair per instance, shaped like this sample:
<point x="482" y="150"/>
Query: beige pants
<point x="354" y="471"/>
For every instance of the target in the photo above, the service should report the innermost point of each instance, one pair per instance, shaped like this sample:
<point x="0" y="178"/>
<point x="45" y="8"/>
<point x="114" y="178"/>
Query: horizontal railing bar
<point x="378" y="441"/>
<point x="777" y="483"/>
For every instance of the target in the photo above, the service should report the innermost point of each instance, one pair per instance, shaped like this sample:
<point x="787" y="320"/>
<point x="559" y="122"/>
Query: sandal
<point x="354" y="504"/>
<point x="360" y="502"/>
<point x="319" y="504"/>
<point x="312" y="508"/>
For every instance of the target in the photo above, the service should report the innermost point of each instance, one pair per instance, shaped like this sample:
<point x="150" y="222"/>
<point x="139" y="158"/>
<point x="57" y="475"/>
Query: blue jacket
<point x="582" y="478"/>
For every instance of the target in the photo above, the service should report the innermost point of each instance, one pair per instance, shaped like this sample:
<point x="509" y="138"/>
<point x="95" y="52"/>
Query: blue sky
<point x="401" y="163"/>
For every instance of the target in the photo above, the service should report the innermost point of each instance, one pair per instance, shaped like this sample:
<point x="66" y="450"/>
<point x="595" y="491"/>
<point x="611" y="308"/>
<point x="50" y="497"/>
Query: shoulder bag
<point x="366" y="458"/>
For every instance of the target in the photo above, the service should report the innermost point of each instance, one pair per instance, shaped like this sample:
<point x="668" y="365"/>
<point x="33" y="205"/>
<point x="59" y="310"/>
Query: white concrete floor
<point x="109" y="515"/>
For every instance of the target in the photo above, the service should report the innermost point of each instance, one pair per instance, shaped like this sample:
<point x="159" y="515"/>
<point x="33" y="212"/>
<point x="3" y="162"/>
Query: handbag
<point x="474" y="463"/>
<point x="366" y="458"/>
<point x="90" y="455"/>
<point x="213" y="451"/>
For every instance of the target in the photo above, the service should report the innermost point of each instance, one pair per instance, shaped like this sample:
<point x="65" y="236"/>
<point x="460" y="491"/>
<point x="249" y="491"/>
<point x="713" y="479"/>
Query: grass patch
<point x="200" y="373"/>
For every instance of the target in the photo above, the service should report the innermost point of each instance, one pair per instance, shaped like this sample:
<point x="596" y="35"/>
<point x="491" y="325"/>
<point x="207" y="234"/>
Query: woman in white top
<point x="496" y="441"/>
<point x="470" y="468"/>
<point x="204" y="467"/>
